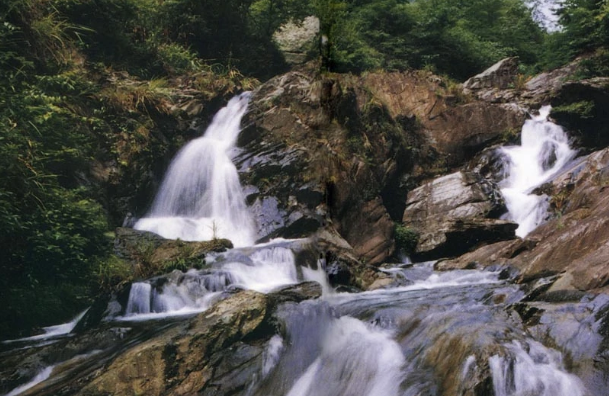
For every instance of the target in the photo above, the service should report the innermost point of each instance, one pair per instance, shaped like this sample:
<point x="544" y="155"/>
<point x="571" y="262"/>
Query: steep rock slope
<point x="342" y="151"/>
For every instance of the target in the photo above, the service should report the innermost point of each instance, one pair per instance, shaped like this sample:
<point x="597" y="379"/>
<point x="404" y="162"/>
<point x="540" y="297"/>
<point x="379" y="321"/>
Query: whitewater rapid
<point x="544" y="150"/>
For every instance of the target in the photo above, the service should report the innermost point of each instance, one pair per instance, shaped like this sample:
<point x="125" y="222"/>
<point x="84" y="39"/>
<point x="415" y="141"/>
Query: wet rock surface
<point x="455" y="213"/>
<point x="215" y="352"/>
<point x="572" y="243"/>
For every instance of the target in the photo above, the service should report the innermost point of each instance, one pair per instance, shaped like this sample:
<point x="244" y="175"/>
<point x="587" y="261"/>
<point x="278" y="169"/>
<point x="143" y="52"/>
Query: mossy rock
<point x="149" y="254"/>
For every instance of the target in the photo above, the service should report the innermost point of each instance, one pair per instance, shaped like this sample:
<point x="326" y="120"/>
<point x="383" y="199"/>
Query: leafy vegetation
<point x="585" y="31"/>
<point x="457" y="38"/>
<point x="406" y="239"/>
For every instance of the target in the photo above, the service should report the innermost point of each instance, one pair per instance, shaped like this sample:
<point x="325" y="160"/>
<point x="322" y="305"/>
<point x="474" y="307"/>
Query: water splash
<point x="42" y="375"/>
<point x="355" y="359"/>
<point x="52" y="332"/>
<point x="201" y="197"/>
<point x="262" y="268"/>
<point x="544" y="150"/>
<point x="532" y="370"/>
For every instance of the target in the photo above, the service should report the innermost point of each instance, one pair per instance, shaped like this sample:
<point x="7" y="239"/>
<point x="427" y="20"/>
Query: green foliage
<point x="44" y="305"/>
<point x="458" y="38"/>
<point x="113" y="271"/>
<point x="182" y="264"/>
<point x="406" y="239"/>
<point x="594" y="66"/>
<point x="585" y="30"/>
<point x="176" y="59"/>
<point x="265" y="16"/>
<point x="582" y="109"/>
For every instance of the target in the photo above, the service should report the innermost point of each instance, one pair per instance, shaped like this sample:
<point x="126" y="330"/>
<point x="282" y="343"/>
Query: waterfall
<point x="139" y="298"/>
<point x="535" y="370"/>
<point x="201" y="198"/>
<point x="544" y="150"/>
<point x="261" y="268"/>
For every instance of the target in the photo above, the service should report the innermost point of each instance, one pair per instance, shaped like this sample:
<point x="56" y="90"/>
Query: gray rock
<point x="296" y="40"/>
<point x="500" y="75"/>
<point x="454" y="213"/>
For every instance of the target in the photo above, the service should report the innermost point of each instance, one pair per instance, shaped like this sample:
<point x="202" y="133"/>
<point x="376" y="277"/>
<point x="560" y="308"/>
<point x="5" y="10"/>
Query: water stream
<point x="201" y="197"/>
<point x="543" y="152"/>
<point x="431" y="334"/>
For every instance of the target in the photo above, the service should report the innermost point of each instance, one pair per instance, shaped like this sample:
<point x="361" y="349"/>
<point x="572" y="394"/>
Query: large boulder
<point x="315" y="154"/>
<point x="297" y="40"/>
<point x="500" y="75"/>
<point x="455" y="213"/>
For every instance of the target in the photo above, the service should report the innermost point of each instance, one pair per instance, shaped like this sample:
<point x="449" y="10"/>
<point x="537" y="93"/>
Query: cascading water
<point x="262" y="268"/>
<point x="535" y="370"/>
<point x="430" y="334"/>
<point x="544" y="150"/>
<point x="201" y="197"/>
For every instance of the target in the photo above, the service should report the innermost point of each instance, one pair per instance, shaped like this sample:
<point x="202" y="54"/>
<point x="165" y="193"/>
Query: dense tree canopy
<point x="585" y="31"/>
<point x="458" y="38"/>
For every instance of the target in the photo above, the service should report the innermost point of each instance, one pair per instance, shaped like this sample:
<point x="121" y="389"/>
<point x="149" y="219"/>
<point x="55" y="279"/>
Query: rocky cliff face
<point x="572" y="244"/>
<point x="342" y="151"/>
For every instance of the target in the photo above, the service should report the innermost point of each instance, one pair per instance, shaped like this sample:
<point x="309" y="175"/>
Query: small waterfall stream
<point x="544" y="151"/>
<point x="201" y="197"/>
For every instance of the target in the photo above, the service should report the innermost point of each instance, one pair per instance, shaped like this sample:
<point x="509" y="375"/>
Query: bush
<point x="406" y="239"/>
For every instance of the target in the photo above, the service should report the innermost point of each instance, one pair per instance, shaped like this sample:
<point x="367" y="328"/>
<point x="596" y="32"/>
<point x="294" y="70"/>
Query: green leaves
<point x="458" y="38"/>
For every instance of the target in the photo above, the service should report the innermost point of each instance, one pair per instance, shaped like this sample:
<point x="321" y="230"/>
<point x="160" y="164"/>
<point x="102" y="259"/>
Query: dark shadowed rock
<point x="581" y="107"/>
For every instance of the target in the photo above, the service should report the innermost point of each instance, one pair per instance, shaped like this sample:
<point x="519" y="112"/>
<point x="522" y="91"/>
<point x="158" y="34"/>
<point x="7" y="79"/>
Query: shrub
<point x="406" y="239"/>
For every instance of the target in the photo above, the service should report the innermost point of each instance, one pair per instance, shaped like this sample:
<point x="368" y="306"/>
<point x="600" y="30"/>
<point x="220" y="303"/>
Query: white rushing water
<point x="267" y="268"/>
<point x="201" y="197"/>
<point x="544" y="150"/>
<point x="355" y="359"/>
<point x="52" y="331"/>
<point x="41" y="376"/>
<point x="536" y="370"/>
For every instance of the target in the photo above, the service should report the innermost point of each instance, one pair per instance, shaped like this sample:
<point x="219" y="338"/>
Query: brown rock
<point x="455" y="131"/>
<point x="370" y="230"/>
<point x="177" y="362"/>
